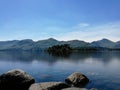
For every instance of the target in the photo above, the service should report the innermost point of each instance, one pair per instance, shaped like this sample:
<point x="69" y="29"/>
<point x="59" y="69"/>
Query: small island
<point x="60" y="50"/>
<point x="65" y="49"/>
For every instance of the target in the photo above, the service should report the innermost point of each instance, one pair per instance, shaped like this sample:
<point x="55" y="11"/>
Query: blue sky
<point x="86" y="20"/>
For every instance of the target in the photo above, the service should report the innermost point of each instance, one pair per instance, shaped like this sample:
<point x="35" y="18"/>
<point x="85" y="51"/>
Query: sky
<point x="87" y="20"/>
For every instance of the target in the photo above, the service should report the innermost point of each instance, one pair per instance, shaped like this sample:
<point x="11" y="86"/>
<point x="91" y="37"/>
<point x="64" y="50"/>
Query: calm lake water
<point x="102" y="68"/>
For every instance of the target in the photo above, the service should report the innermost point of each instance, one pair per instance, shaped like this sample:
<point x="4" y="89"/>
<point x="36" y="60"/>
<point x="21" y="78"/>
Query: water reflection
<point x="101" y="67"/>
<point x="42" y="56"/>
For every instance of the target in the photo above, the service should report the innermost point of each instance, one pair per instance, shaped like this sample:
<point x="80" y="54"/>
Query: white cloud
<point x="109" y="30"/>
<point x="80" y="26"/>
<point x="83" y="24"/>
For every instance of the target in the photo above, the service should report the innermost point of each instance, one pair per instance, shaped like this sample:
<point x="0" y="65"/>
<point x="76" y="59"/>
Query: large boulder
<point x="74" y="88"/>
<point x="93" y="89"/>
<point x="15" y="80"/>
<point x="77" y="79"/>
<point x="48" y="86"/>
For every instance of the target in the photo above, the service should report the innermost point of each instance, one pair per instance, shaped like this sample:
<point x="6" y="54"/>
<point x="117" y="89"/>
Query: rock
<point x="77" y="79"/>
<point x="73" y="88"/>
<point x="15" y="80"/>
<point x="48" y="86"/>
<point x="93" y="89"/>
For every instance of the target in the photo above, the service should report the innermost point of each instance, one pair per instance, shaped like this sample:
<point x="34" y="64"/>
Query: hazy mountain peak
<point x="106" y="40"/>
<point x="75" y="40"/>
<point x="27" y="40"/>
<point x="52" y="39"/>
<point x="103" y="43"/>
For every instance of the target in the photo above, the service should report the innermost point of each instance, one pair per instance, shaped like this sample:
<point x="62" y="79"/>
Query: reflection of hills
<point x="45" y="57"/>
<point x="24" y="56"/>
<point x="106" y="56"/>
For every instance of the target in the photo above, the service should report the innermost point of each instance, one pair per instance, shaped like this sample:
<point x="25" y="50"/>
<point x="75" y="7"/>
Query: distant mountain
<point x="103" y="43"/>
<point x="46" y="43"/>
<point x="28" y="44"/>
<point x="25" y="44"/>
<point x="7" y="44"/>
<point x="117" y="44"/>
<point x="77" y="43"/>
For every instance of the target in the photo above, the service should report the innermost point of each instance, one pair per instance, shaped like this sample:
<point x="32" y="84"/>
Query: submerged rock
<point x="48" y="86"/>
<point x="15" y="80"/>
<point x="77" y="79"/>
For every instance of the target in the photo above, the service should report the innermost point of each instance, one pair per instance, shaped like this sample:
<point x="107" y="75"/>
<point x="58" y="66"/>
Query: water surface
<point x="102" y="68"/>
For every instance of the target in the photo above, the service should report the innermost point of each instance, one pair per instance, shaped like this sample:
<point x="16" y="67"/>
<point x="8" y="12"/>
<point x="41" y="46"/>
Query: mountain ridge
<point x="29" y="44"/>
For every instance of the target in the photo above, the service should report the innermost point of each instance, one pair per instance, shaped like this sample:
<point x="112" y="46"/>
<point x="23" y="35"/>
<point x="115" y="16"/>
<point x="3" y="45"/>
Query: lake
<point x="102" y="68"/>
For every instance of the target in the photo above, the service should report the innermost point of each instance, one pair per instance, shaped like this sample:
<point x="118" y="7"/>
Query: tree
<point x="60" y="50"/>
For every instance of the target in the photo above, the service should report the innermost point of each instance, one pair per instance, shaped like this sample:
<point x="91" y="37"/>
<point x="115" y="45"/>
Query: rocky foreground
<point x="19" y="80"/>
